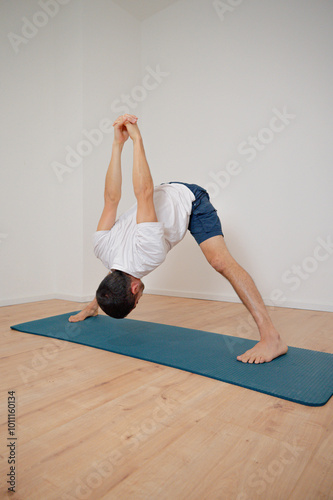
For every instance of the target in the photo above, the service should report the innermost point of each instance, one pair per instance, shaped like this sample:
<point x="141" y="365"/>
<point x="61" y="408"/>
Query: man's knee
<point x="218" y="263"/>
<point x="223" y="263"/>
<point x="217" y="254"/>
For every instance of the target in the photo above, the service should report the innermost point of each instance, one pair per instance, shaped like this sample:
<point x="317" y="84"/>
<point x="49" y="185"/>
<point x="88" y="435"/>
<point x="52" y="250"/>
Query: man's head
<point x="118" y="294"/>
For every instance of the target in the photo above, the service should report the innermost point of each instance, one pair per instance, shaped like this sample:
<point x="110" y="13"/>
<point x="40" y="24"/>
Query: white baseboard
<point x="192" y="295"/>
<point x="39" y="298"/>
<point x="74" y="298"/>
<point x="235" y="299"/>
<point x="25" y="300"/>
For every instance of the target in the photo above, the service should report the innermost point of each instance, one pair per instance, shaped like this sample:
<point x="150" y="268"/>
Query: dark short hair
<point x="114" y="295"/>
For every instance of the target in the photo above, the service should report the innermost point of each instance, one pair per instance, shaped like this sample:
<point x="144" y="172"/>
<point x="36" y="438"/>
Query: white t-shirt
<point x="137" y="249"/>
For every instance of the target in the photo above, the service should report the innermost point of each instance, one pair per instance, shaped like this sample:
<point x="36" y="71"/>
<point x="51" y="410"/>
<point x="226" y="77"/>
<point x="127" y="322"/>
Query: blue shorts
<point x="204" y="221"/>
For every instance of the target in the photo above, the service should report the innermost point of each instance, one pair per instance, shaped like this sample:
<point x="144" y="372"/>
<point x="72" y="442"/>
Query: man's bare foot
<point x="266" y="350"/>
<point x="82" y="315"/>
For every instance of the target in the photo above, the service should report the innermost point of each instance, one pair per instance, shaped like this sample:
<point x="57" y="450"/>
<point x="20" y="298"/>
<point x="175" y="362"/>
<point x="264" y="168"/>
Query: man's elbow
<point x="112" y="198"/>
<point x="144" y="192"/>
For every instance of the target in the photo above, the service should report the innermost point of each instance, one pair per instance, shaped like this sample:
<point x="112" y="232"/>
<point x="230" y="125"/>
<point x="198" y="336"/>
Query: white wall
<point x="59" y="80"/>
<point x="227" y="73"/>
<point x="222" y="75"/>
<point x="28" y="252"/>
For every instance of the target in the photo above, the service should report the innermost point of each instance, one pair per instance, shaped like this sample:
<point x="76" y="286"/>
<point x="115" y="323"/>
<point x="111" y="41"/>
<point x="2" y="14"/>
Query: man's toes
<point x="251" y="358"/>
<point x="244" y="357"/>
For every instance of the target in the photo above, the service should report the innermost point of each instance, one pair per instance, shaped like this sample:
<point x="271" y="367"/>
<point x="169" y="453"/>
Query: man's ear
<point x="134" y="287"/>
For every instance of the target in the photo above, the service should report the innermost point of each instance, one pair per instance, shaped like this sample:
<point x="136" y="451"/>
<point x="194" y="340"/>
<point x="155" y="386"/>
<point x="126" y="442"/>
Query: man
<point x="138" y="242"/>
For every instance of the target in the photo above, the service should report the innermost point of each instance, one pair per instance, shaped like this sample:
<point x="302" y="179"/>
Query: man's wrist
<point x="118" y="145"/>
<point x="138" y="140"/>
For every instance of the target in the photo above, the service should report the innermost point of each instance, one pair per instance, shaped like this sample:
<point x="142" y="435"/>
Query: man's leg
<point x="271" y="345"/>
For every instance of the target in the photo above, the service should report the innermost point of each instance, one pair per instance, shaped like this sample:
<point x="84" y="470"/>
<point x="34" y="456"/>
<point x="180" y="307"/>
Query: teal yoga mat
<point x="301" y="376"/>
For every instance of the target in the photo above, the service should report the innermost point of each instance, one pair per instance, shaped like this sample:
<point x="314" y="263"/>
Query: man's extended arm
<point x="112" y="191"/>
<point x="142" y="180"/>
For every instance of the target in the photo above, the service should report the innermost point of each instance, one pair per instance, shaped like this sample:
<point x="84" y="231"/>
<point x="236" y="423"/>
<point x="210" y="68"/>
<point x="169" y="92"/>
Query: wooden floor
<point x="96" y="425"/>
